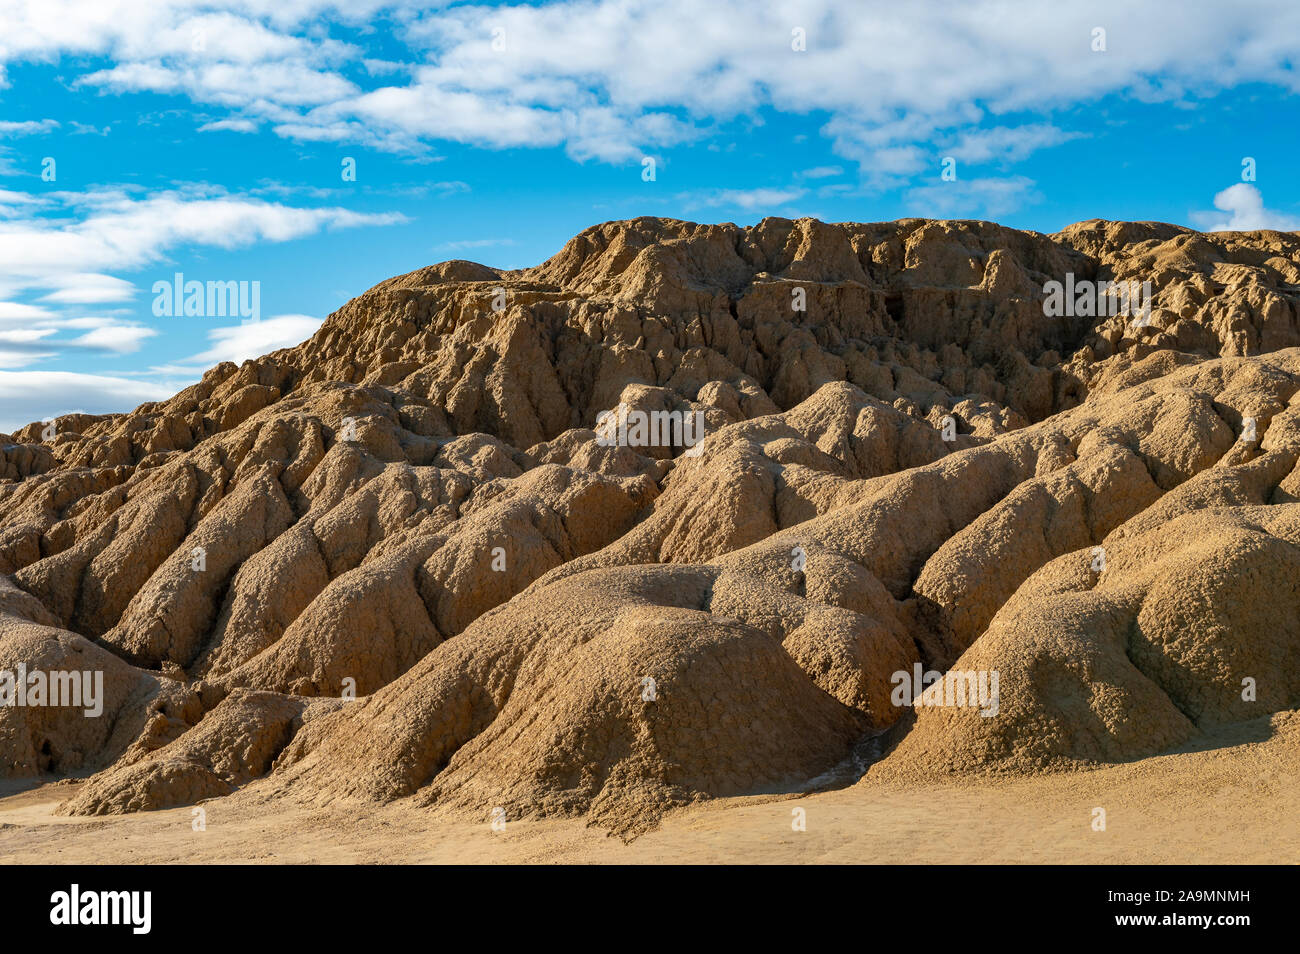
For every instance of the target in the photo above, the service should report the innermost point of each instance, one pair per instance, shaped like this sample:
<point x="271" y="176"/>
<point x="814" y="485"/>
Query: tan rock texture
<point x="412" y="557"/>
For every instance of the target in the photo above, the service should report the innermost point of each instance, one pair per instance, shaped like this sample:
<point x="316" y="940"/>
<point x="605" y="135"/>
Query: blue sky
<point x="208" y="138"/>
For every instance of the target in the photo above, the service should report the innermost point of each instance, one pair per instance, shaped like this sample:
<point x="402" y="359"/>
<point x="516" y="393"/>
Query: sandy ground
<point x="1233" y="799"/>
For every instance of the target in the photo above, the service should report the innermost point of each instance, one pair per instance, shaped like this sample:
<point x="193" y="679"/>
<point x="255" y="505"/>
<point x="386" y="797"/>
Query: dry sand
<point x="1234" y="802"/>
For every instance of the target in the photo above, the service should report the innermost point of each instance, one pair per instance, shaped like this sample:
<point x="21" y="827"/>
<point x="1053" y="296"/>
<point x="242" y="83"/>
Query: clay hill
<point x="398" y="561"/>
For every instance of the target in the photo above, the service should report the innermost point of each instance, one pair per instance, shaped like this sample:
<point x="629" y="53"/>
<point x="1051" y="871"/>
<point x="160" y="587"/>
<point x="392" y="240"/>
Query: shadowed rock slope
<point x="413" y="557"/>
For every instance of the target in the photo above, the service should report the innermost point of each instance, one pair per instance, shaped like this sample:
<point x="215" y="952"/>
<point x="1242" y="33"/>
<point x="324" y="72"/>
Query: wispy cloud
<point x="747" y="199"/>
<point x="230" y="125"/>
<point x="821" y="172"/>
<point x="986" y="198"/>
<point x="63" y="246"/>
<point x="35" y="395"/>
<point x="111" y="229"/>
<point x="27" y="127"/>
<point x="466" y="244"/>
<point x="86" y="288"/>
<point x="1005" y="143"/>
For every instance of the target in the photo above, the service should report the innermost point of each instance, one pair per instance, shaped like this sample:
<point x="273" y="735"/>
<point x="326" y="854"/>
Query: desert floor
<point x="1235" y="798"/>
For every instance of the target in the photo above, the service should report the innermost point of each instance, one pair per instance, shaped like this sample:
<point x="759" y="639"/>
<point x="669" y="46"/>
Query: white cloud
<point x="115" y="337"/>
<point x="747" y="199"/>
<point x="27" y="127"/>
<point x="228" y="84"/>
<point x="20" y="346"/>
<point x="111" y="230"/>
<point x="27" y="336"/>
<point x="65" y="245"/>
<point x="240" y="342"/>
<point x="1006" y="144"/>
<point x="230" y="125"/>
<point x="17" y="313"/>
<point x="895" y="80"/>
<point x="10" y="198"/>
<point x="27" y="396"/>
<point x="85" y="288"/>
<point x="821" y="172"/>
<point x="1246" y="213"/>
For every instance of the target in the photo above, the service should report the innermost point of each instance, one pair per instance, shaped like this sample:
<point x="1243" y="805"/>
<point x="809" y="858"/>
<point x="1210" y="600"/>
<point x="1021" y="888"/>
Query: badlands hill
<point x="917" y="467"/>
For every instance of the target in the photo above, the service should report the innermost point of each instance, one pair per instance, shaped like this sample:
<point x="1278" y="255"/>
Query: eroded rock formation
<point x="401" y="560"/>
